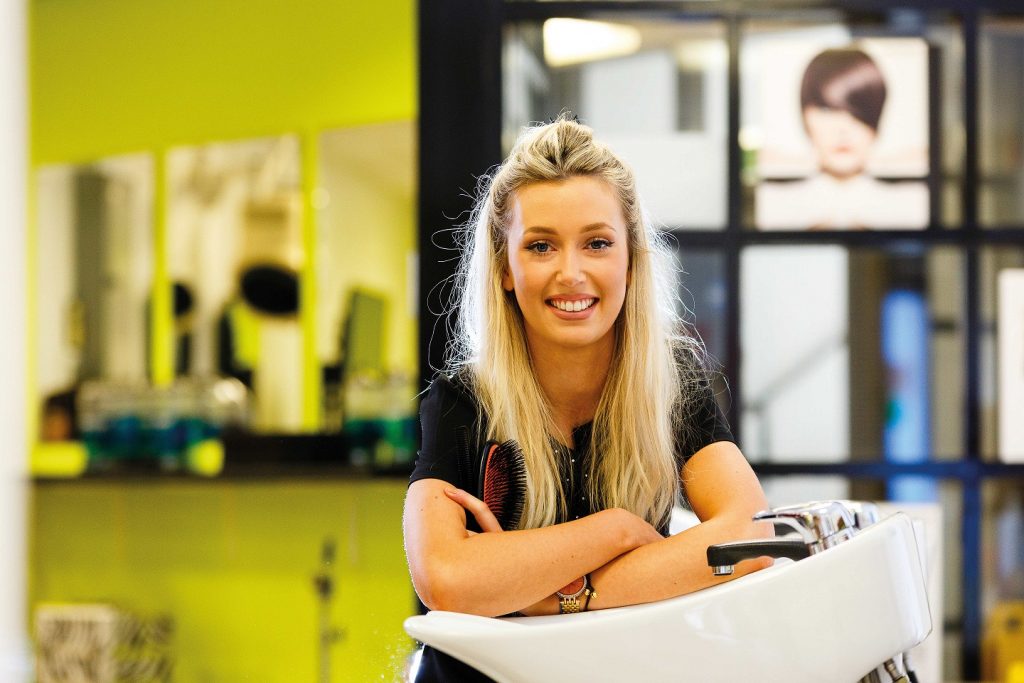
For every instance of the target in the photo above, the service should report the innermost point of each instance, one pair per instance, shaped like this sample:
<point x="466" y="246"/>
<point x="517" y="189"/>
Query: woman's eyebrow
<point x="544" y="230"/>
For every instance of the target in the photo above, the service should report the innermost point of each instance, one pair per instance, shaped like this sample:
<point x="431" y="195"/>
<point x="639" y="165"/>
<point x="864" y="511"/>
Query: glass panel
<point x="702" y="297"/>
<point x="852" y="354"/>
<point x="367" y="286"/>
<point x="532" y="1"/>
<point x="1002" y="353"/>
<point x="1002" y="575"/>
<point x="790" y="490"/>
<point x="95" y="274"/>
<point x="835" y="122"/>
<point x="947" y="61"/>
<point x="654" y="90"/>
<point x="1001" y="120"/>
<point x="235" y="251"/>
<point x="947" y="603"/>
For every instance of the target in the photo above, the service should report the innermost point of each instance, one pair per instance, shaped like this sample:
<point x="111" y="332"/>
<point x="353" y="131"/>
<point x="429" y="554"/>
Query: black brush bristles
<point x="463" y="459"/>
<point x="502" y="484"/>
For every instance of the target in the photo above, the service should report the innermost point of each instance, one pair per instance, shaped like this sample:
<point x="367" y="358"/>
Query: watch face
<point x="574" y="588"/>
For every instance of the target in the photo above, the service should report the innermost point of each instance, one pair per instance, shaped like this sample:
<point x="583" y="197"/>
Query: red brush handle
<point x="486" y="492"/>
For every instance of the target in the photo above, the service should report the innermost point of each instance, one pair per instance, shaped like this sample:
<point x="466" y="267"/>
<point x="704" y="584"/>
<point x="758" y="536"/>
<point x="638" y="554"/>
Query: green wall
<point x="109" y="76"/>
<point x="232" y="561"/>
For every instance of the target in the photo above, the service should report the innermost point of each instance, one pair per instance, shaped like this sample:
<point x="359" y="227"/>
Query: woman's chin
<point x="843" y="171"/>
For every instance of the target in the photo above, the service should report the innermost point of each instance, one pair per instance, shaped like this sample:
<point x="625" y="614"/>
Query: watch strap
<point x="570" y="603"/>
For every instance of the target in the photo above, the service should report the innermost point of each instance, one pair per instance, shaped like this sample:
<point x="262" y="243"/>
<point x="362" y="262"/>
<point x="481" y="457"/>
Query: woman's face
<point x="568" y="261"/>
<point x="841" y="141"/>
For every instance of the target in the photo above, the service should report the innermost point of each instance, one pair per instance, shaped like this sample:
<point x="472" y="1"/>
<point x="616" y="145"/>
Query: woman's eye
<point x="600" y="243"/>
<point x="539" y="247"/>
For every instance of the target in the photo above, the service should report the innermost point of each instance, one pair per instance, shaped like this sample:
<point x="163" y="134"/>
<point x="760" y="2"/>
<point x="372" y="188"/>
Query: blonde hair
<point x="655" y="366"/>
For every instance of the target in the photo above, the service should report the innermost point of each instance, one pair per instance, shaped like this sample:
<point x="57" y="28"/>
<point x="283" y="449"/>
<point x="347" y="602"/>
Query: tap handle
<point x="722" y="557"/>
<point x="816" y="522"/>
<point x="865" y="513"/>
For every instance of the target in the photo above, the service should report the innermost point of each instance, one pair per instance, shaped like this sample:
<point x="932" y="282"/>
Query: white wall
<point x="14" y="648"/>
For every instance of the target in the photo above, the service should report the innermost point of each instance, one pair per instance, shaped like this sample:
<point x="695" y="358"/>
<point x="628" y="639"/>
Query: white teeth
<point x="572" y="306"/>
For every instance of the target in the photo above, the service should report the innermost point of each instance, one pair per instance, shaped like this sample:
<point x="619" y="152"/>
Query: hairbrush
<point x="502" y="482"/>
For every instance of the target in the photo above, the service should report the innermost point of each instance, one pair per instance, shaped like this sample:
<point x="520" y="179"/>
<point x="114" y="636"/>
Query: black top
<point x="451" y="404"/>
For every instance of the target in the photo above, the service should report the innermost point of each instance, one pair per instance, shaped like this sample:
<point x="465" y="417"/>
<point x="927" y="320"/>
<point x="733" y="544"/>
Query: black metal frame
<point x="460" y="132"/>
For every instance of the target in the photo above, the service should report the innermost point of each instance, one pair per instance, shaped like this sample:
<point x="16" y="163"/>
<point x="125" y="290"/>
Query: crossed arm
<point x="628" y="560"/>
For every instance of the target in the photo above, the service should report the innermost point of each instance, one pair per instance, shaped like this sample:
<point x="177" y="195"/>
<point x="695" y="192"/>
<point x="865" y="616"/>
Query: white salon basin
<point x="830" y="618"/>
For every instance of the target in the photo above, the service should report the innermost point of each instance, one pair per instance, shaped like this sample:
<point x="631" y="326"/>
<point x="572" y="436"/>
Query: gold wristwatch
<point x="570" y="597"/>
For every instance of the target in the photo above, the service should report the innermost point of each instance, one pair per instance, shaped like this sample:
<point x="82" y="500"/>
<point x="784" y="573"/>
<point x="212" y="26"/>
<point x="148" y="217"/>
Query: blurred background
<point x="230" y="253"/>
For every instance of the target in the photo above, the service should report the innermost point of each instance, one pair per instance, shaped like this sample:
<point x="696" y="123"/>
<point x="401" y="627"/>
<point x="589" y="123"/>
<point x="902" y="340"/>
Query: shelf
<point x="261" y="474"/>
<point x="236" y="457"/>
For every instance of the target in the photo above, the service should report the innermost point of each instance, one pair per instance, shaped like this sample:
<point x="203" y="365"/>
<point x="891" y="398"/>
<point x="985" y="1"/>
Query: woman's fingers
<point x="484" y="517"/>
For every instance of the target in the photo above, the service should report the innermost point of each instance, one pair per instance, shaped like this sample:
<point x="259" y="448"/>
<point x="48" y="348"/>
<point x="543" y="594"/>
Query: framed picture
<point x="840" y="130"/>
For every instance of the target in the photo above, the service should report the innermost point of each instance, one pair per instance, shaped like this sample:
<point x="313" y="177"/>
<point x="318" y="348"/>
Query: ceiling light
<point x="573" y="41"/>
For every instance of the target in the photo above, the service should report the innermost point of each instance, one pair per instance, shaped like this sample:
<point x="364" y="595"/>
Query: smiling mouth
<point x="572" y="306"/>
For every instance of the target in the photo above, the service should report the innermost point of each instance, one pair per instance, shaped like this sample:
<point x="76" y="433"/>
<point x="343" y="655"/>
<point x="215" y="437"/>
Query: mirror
<point x="258" y="292"/>
<point x="93" y="281"/>
<point x="234" y="257"/>
<point x="367" y="288"/>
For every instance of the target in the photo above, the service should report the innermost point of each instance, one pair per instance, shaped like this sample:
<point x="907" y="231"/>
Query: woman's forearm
<point x="669" y="568"/>
<point x="674" y="566"/>
<point x="724" y="492"/>
<point x="497" y="573"/>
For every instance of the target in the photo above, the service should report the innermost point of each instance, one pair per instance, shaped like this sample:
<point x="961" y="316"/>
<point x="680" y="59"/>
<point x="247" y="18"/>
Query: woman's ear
<point x="507" y="283"/>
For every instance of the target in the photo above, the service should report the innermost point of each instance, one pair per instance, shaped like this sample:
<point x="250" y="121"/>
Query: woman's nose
<point x="569" y="271"/>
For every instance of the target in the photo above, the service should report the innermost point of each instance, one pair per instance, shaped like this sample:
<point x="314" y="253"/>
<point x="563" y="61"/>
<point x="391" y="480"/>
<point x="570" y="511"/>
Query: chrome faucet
<point x="865" y="513"/>
<point x="821" y="525"/>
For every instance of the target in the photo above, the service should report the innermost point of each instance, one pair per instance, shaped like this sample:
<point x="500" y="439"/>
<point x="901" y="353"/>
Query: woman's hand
<point x="645" y="532"/>
<point x="483" y="515"/>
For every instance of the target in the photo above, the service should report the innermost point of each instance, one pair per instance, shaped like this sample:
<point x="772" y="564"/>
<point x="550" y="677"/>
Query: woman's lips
<point x="572" y="308"/>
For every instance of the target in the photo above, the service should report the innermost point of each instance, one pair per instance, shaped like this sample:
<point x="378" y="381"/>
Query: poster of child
<point x="845" y="136"/>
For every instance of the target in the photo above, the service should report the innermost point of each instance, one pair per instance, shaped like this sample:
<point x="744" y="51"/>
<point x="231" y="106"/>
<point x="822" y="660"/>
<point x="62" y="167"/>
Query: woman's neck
<point x="572" y="380"/>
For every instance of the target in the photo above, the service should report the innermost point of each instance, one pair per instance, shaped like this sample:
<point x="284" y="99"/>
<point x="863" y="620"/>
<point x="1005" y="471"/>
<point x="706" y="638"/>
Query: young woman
<point x="567" y="342"/>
